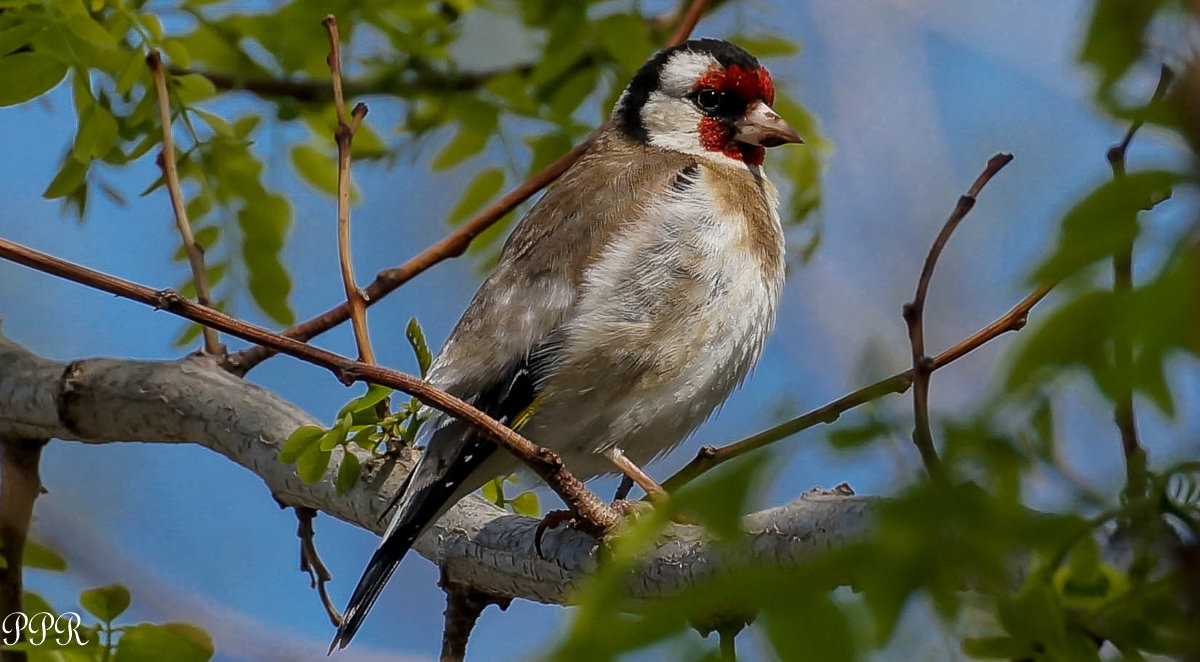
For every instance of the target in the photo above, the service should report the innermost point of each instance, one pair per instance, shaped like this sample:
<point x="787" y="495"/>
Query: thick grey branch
<point x="476" y="544"/>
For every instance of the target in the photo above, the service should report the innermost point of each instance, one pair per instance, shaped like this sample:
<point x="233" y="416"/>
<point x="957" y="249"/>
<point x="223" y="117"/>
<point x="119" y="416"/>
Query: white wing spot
<point x="468" y="456"/>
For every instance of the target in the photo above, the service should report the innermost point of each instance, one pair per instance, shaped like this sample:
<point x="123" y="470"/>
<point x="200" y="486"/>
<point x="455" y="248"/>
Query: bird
<point x="630" y="301"/>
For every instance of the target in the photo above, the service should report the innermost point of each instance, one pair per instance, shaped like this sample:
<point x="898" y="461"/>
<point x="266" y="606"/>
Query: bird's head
<point x="705" y="97"/>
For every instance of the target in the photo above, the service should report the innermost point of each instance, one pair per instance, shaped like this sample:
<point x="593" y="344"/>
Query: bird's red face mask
<point x="738" y="120"/>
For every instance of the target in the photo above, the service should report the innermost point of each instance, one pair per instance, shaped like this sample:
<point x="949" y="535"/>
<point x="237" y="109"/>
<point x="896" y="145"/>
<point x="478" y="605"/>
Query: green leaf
<point x="28" y="74"/>
<point x="546" y="149"/>
<point x="316" y="167"/>
<point x="69" y="178"/>
<point x="106" y="602"/>
<point x="768" y="46"/>
<point x="298" y="442"/>
<point x="42" y="557"/>
<point x="215" y="122"/>
<point x="811" y="628"/>
<point x="1104" y="222"/>
<point x="363" y="439"/>
<point x="264" y="221"/>
<point x="368" y="144"/>
<point x="336" y="436"/>
<point x="375" y="394"/>
<point x="493" y="491"/>
<point x="206" y="237"/>
<point x="97" y="134"/>
<point x="86" y="28"/>
<point x="475" y="128"/>
<point x="243" y="126"/>
<point x="152" y="25"/>
<point x="626" y="38"/>
<point x="312" y="464"/>
<point x="481" y="189"/>
<point x="19" y="35"/>
<point x="572" y="92"/>
<point x="193" y="87"/>
<point x="177" y="642"/>
<point x="177" y="53"/>
<point x="855" y="436"/>
<point x="1114" y="37"/>
<point x="525" y="503"/>
<point x="995" y="648"/>
<point x="416" y="340"/>
<point x="348" y="472"/>
<point x="721" y="497"/>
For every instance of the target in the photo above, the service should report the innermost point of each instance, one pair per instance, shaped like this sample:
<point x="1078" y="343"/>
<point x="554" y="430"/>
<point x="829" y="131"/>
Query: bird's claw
<point x="552" y="520"/>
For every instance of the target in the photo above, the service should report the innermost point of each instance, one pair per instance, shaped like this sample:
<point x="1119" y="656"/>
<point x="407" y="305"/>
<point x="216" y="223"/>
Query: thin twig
<point x="688" y="23"/>
<point x="914" y="312"/>
<point x="343" y="135"/>
<point x="710" y="456"/>
<point x="451" y="245"/>
<point x="727" y="640"/>
<point x="20" y="485"/>
<point x="311" y="563"/>
<point x="463" y="607"/>
<point x="1124" y="414"/>
<point x="594" y="515"/>
<point x="166" y="161"/>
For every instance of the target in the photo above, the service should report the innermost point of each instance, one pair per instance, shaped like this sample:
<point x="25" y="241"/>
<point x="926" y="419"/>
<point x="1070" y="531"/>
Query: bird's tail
<point x="426" y="494"/>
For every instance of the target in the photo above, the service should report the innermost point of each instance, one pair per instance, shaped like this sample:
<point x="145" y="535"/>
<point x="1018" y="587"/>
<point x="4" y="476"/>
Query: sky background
<point x="914" y="95"/>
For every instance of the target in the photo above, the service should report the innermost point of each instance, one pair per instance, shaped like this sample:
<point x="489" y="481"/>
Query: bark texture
<point x="476" y="544"/>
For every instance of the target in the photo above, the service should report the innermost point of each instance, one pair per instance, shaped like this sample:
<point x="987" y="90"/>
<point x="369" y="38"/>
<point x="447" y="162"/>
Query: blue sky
<point x="913" y="94"/>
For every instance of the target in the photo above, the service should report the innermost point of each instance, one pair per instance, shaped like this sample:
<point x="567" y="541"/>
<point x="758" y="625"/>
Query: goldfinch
<point x="629" y="302"/>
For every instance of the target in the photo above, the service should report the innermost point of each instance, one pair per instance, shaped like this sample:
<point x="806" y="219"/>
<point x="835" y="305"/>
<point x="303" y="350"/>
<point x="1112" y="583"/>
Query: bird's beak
<point x="760" y="125"/>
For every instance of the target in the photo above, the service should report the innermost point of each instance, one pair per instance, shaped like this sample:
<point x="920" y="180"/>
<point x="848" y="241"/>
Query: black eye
<point x="709" y="99"/>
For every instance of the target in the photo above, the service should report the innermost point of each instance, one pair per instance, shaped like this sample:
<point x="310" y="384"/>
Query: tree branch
<point x="1014" y="320"/>
<point x="914" y="317"/>
<point x="311" y="563"/>
<point x="710" y="456"/>
<point x="450" y="246"/>
<point x="20" y="485"/>
<point x="166" y="161"/>
<point x="593" y="514"/>
<point x="1123" y="411"/>
<point x="479" y="545"/>
<point x="463" y="607"/>
<point x="343" y="135"/>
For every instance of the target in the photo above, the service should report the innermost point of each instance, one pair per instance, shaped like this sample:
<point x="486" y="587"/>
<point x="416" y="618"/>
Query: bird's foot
<point x="626" y="509"/>
<point x="552" y="520"/>
<point x="631" y="508"/>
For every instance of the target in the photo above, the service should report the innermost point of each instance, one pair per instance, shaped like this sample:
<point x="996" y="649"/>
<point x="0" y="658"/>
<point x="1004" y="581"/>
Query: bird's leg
<point x="632" y="471"/>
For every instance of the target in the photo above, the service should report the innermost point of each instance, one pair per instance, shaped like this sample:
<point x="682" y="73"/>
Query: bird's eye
<point x="709" y="99"/>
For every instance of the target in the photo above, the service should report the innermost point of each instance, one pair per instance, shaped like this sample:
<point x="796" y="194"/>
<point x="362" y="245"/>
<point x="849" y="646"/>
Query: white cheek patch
<point x="681" y="72"/>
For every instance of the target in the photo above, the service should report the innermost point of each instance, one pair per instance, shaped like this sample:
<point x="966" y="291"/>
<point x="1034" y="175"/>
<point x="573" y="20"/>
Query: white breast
<point x="669" y="321"/>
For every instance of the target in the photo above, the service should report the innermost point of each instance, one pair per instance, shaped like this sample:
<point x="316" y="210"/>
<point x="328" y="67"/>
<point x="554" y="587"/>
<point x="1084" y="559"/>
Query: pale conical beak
<point x="760" y="125"/>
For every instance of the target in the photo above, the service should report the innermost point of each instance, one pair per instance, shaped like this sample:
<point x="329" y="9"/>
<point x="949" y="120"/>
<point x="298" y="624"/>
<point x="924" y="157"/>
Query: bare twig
<point x="914" y="317"/>
<point x="166" y="161"/>
<point x="709" y="456"/>
<point x="311" y="563"/>
<point x="1123" y="411"/>
<point x="688" y="23"/>
<point x="20" y="485"/>
<point x="463" y="607"/>
<point x="727" y="640"/>
<point x="593" y="514"/>
<point x="453" y="244"/>
<point x="344" y="136"/>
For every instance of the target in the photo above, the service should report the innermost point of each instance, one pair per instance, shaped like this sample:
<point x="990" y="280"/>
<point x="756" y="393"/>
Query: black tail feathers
<point x="430" y="496"/>
<point x="379" y="569"/>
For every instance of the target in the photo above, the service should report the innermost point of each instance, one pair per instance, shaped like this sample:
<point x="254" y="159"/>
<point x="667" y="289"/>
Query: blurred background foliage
<point x="1109" y="576"/>
<point x="572" y="58"/>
